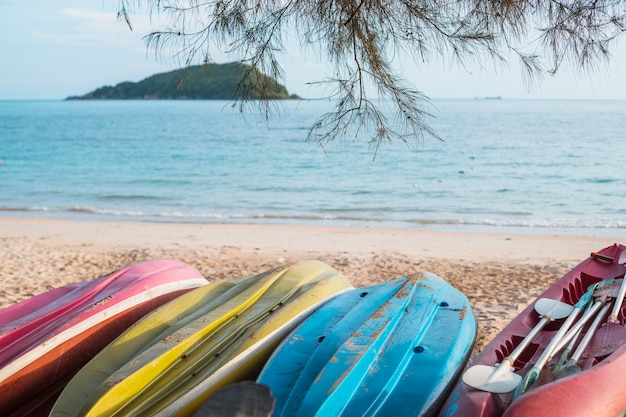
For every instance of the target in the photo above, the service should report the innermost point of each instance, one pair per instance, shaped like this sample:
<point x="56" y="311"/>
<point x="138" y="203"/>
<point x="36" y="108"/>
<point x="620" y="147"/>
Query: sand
<point x="499" y="273"/>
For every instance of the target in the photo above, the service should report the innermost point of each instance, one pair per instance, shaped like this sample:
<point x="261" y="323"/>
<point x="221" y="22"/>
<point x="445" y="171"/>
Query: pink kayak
<point x="564" y="355"/>
<point x="45" y="339"/>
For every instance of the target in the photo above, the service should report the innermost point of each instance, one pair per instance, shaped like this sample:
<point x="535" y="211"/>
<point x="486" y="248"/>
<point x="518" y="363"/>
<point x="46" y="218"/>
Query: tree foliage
<point x="360" y="39"/>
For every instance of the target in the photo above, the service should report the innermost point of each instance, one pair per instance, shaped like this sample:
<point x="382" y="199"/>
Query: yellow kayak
<point x="171" y="361"/>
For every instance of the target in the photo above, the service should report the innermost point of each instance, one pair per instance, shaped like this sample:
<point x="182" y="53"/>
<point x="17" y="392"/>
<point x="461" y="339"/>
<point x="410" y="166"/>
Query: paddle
<point x="612" y="335"/>
<point x="571" y="366"/>
<point x="501" y="378"/>
<point x="622" y="291"/>
<point x="558" y="370"/>
<point x="548" y="352"/>
<point x="603" y="290"/>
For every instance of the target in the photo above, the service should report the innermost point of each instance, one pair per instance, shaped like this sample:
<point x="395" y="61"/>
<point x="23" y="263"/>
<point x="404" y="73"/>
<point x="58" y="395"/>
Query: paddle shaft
<point x="618" y="302"/>
<point x="583" y="320"/>
<point x="563" y="364"/>
<point x="502" y="379"/>
<point x="549" y="310"/>
<point x="506" y="366"/>
<point x="547" y="353"/>
<point x="622" y="290"/>
<point x="561" y="338"/>
<point x="529" y="338"/>
<point x="592" y="329"/>
<point x="551" y="349"/>
<point x="545" y="319"/>
<point x="571" y="367"/>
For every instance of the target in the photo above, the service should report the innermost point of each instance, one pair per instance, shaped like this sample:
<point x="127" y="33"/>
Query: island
<point x="200" y="82"/>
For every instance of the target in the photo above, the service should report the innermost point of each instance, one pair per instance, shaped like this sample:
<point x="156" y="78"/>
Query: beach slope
<point x="499" y="273"/>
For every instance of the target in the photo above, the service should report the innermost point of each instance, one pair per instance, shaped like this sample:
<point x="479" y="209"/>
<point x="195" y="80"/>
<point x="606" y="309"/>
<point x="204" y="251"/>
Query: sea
<point x="511" y="166"/>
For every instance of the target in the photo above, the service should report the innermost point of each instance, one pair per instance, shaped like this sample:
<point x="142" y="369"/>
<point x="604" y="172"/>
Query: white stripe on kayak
<point x="50" y="344"/>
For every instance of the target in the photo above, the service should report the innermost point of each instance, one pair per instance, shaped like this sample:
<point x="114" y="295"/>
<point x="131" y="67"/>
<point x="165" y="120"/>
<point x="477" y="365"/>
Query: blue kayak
<point x="392" y="349"/>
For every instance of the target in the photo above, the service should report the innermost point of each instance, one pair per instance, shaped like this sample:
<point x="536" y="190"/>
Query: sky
<point x="54" y="49"/>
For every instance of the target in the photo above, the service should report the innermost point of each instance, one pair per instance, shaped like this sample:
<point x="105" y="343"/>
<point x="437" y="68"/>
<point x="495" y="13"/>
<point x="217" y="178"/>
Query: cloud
<point x="91" y="16"/>
<point x="96" y="28"/>
<point x="141" y="22"/>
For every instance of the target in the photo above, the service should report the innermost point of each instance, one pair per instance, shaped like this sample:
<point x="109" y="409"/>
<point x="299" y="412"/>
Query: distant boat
<point x="488" y="98"/>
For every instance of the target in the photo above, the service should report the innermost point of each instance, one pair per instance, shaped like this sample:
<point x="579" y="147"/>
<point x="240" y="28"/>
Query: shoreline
<point x="499" y="273"/>
<point x="451" y="245"/>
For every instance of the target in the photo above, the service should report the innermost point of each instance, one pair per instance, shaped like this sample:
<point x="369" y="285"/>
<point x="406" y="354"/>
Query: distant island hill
<point x="199" y="82"/>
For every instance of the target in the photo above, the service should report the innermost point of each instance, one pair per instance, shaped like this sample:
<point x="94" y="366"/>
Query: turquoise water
<point x="517" y="165"/>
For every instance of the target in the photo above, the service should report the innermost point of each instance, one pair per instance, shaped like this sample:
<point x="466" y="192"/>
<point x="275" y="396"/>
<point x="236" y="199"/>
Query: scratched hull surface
<point x="45" y="339"/>
<point x="389" y="349"/>
<point x="594" y="386"/>
<point x="170" y="362"/>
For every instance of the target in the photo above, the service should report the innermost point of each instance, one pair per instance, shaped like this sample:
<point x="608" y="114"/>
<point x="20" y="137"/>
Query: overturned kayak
<point x="170" y="362"/>
<point x="565" y="354"/>
<point x="45" y="339"/>
<point x="390" y="349"/>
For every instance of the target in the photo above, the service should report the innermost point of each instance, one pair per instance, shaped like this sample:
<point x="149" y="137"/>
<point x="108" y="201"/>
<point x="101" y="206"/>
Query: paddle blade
<point x="618" y="302"/>
<point x="553" y="309"/>
<point x="608" y="288"/>
<point x="499" y="379"/>
<point x="527" y="382"/>
<point x="607" y="340"/>
<point x="570" y="367"/>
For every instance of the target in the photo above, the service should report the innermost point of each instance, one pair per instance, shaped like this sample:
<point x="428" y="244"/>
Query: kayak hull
<point x="593" y="391"/>
<point x="171" y="361"/>
<point x="389" y="349"/>
<point x="47" y="338"/>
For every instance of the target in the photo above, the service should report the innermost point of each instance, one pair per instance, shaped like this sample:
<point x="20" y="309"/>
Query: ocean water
<point x="520" y="166"/>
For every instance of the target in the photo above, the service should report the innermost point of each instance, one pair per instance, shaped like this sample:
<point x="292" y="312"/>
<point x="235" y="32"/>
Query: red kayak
<point x="45" y="339"/>
<point x="564" y="355"/>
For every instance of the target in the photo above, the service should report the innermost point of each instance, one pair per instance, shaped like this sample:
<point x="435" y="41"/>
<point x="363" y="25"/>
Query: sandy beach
<point x="499" y="273"/>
